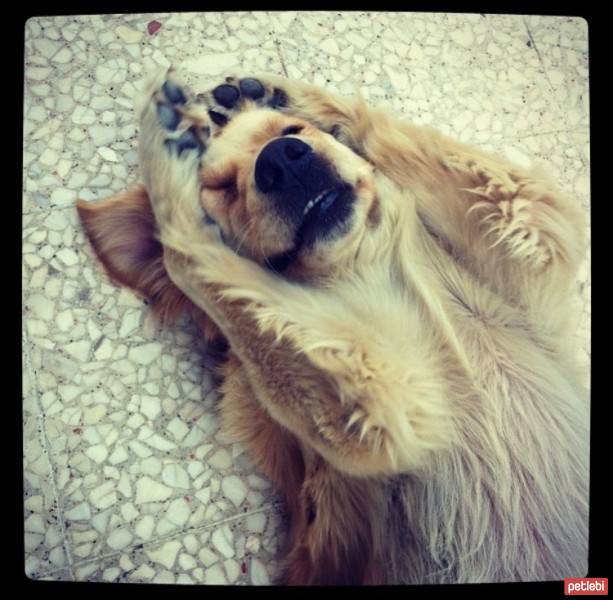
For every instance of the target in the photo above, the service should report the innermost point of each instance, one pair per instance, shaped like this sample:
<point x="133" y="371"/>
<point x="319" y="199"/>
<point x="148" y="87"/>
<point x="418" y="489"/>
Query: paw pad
<point x="186" y="127"/>
<point x="168" y="117"/>
<point x="278" y="99"/>
<point x="174" y="93"/>
<point x="252" y="88"/>
<point x="227" y="98"/>
<point x="188" y="140"/>
<point x="226" y="95"/>
<point x="218" y="118"/>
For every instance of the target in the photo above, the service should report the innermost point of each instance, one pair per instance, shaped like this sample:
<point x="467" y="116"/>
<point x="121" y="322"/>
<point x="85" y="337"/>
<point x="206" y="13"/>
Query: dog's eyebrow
<point x="291" y="129"/>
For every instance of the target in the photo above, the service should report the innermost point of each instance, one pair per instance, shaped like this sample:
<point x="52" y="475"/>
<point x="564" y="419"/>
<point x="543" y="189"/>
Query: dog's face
<point x="283" y="193"/>
<point x="286" y="194"/>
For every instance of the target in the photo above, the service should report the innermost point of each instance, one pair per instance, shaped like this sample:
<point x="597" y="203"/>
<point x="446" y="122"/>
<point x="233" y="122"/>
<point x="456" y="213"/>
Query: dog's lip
<point x="325" y="199"/>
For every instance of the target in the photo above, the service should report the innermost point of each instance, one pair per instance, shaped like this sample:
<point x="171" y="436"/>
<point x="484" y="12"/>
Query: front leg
<point x="173" y="137"/>
<point x="313" y="362"/>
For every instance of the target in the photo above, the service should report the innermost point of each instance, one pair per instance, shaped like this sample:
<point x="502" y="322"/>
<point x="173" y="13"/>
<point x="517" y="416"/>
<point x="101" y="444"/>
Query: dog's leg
<point x="275" y="451"/>
<point x="331" y="517"/>
<point x="338" y="537"/>
<point x="323" y="383"/>
<point x="332" y="535"/>
<point x="513" y="228"/>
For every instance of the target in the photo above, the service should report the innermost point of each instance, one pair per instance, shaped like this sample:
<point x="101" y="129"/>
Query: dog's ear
<point x="123" y="233"/>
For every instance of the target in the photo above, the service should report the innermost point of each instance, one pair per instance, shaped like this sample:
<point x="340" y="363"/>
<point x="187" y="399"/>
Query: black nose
<point x="281" y="164"/>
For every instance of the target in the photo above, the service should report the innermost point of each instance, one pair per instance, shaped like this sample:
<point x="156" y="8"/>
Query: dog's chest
<point x="494" y="336"/>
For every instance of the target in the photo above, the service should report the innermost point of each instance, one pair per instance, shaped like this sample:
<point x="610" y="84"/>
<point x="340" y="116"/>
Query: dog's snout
<point x="292" y="176"/>
<point x="281" y="163"/>
<point x="294" y="148"/>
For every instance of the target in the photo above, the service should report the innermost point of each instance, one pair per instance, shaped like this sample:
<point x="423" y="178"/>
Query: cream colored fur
<point x="430" y="377"/>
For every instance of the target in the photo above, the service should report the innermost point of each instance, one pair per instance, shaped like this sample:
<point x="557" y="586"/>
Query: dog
<point x="396" y="307"/>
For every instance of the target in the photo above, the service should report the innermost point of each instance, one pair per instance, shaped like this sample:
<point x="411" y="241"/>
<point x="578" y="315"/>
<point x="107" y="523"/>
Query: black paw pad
<point x="251" y="88"/>
<point x="188" y="140"/>
<point x="218" y="118"/>
<point x="174" y="93"/>
<point x="226" y="95"/>
<point x="168" y="117"/>
<point x="278" y="99"/>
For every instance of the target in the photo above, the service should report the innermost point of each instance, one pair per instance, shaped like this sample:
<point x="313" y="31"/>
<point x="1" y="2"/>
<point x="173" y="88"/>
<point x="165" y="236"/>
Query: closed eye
<point x="220" y="176"/>
<point x="219" y="185"/>
<point x="292" y="130"/>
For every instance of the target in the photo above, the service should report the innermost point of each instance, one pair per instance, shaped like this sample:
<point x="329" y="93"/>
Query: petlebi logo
<point x="586" y="586"/>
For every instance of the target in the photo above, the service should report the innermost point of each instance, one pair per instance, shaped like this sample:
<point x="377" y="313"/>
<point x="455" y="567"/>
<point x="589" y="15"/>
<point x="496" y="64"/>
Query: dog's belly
<point x="521" y="465"/>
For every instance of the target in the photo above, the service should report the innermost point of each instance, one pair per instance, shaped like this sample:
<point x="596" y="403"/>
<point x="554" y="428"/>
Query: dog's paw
<point x="232" y="96"/>
<point x="173" y="115"/>
<point x="524" y="227"/>
<point x="174" y="132"/>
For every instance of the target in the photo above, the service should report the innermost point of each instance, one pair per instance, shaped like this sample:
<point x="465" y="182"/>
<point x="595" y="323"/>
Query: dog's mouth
<point x="324" y="215"/>
<point x="324" y="200"/>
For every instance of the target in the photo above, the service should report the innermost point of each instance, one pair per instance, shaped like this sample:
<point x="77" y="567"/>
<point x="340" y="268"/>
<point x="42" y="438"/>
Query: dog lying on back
<point x="397" y="309"/>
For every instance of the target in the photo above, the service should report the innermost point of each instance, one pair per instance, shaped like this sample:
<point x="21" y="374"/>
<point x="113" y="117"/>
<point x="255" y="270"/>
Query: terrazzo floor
<point x="126" y="476"/>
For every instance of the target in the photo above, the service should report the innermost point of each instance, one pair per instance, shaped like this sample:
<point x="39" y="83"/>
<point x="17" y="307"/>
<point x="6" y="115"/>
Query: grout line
<point x="54" y="571"/>
<point x="171" y="536"/>
<point x="547" y="88"/>
<point x="48" y="210"/>
<point x="542" y="133"/>
<point x="533" y="43"/>
<point x="280" y="55"/>
<point x="545" y="70"/>
<point x="40" y="417"/>
<point x="225" y="24"/>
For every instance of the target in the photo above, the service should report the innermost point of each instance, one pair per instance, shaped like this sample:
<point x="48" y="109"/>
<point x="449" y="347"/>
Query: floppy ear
<point x="123" y="233"/>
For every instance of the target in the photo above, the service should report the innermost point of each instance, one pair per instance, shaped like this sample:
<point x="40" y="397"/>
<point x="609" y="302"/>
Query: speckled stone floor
<point x="125" y="475"/>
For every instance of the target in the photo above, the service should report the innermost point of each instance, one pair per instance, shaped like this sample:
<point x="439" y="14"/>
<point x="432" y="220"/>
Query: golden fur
<point x="409" y="385"/>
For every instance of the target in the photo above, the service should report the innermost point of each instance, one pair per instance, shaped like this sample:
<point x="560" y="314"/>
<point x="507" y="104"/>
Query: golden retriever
<point x="397" y="307"/>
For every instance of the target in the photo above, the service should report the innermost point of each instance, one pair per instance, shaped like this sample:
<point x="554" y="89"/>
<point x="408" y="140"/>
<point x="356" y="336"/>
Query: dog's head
<point x="286" y="194"/>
